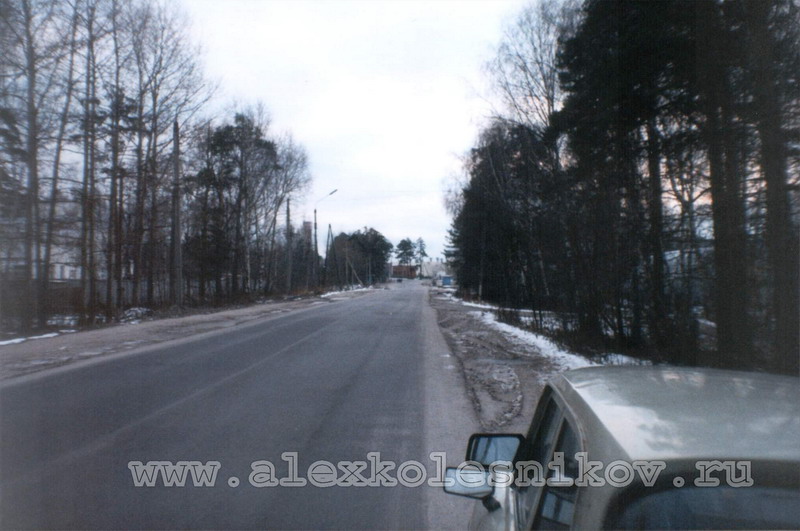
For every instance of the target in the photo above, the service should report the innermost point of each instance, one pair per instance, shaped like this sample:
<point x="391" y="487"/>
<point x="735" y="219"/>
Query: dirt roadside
<point x="39" y="354"/>
<point x="503" y="379"/>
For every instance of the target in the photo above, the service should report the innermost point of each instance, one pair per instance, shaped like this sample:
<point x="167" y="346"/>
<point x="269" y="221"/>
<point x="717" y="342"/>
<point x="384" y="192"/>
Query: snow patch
<point x="454" y="298"/>
<point x="132" y="343"/>
<point x="613" y="358"/>
<point x="478" y="305"/>
<point x="548" y="348"/>
<point x="545" y="346"/>
<point x="44" y="336"/>
<point x="357" y="287"/>
<point x="135" y="314"/>
<point x="505" y="377"/>
<point x="13" y="341"/>
<point x="21" y="339"/>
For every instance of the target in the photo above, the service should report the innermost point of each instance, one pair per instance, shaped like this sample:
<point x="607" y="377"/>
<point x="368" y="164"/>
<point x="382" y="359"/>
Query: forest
<point x="120" y="188"/>
<point x="638" y="189"/>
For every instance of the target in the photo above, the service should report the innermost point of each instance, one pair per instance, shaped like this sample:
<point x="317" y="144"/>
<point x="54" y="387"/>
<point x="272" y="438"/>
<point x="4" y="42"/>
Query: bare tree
<point x="168" y="86"/>
<point x="68" y="85"/>
<point x="94" y="89"/>
<point x="34" y="31"/>
<point x="524" y="70"/>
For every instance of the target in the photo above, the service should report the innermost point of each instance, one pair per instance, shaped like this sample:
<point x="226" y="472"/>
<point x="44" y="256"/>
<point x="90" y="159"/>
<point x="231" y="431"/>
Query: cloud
<point x="384" y="95"/>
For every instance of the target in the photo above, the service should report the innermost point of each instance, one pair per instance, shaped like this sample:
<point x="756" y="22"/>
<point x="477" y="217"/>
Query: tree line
<point x="641" y="184"/>
<point x="358" y="258"/>
<point x="116" y="187"/>
<point x="409" y="251"/>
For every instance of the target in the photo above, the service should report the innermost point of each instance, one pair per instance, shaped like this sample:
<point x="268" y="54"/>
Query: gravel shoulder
<point x="36" y="355"/>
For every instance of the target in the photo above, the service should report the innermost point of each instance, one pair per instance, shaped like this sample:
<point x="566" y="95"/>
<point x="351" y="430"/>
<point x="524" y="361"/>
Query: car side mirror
<point x="485" y="448"/>
<point x="469" y="482"/>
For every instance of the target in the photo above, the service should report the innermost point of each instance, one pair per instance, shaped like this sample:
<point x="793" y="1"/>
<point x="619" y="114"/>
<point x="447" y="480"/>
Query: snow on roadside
<point x="450" y="295"/>
<point x="135" y="315"/>
<point x="21" y="339"/>
<point x="621" y="359"/>
<point x="545" y="346"/>
<point x="567" y="359"/>
<point x="358" y="288"/>
<point x="478" y="305"/>
<point x="523" y="312"/>
<point x="482" y="305"/>
<point x="13" y="341"/>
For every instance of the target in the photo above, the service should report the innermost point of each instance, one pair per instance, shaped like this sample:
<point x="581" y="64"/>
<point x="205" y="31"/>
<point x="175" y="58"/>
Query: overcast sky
<point x="385" y="96"/>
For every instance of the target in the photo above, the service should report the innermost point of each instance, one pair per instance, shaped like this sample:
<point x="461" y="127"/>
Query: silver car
<point x="644" y="447"/>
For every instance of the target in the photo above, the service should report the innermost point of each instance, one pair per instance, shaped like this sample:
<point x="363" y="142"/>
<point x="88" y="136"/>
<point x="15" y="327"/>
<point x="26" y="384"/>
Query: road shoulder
<point x="449" y="421"/>
<point x="85" y="346"/>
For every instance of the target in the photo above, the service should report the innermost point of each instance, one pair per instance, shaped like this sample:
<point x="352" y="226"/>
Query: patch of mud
<point x="503" y="379"/>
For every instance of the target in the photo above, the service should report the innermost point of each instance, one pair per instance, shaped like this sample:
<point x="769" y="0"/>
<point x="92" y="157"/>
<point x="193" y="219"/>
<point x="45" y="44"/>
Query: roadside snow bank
<point x="346" y="290"/>
<point x="478" y="305"/>
<point x="612" y="358"/>
<point x="545" y="346"/>
<point x="21" y="339"/>
<point x="134" y="315"/>
<point x="548" y="348"/>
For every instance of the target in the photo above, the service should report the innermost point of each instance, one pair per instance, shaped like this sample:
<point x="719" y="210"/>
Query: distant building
<point x="404" y="271"/>
<point x="432" y="268"/>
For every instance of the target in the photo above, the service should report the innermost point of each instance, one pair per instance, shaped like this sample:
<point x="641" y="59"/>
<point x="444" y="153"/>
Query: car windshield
<point x="713" y="508"/>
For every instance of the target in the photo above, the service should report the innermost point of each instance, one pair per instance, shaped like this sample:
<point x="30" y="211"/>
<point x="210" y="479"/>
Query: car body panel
<point x="681" y="413"/>
<point x="678" y="416"/>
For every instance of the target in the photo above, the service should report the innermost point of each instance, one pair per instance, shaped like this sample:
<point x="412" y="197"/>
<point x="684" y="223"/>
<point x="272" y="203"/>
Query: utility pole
<point x="330" y="258"/>
<point x="316" y="245"/>
<point x="176" y="271"/>
<point x="316" y="251"/>
<point x="288" y="246"/>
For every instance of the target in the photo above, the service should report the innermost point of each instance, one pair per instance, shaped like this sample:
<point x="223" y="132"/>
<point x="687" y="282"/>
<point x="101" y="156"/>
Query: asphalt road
<point x="332" y="383"/>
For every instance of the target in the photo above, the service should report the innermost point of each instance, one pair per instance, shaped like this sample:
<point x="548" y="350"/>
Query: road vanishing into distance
<point x="332" y="383"/>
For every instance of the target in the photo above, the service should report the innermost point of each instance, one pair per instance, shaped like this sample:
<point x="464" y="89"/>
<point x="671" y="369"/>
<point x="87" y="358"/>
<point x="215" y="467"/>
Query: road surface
<point x="331" y="383"/>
